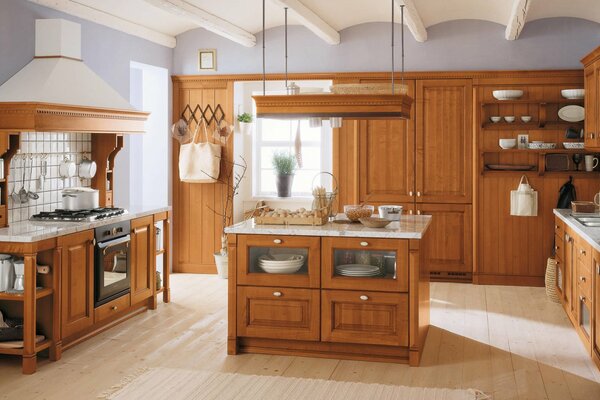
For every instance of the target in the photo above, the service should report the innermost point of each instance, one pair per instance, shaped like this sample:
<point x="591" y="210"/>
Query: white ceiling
<point x="138" y="17"/>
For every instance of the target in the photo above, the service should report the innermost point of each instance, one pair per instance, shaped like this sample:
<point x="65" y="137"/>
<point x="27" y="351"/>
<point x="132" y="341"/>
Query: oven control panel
<point x="112" y="231"/>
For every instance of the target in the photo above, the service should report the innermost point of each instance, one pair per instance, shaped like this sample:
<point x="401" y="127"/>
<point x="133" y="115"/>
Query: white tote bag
<point x="524" y="200"/>
<point x="199" y="162"/>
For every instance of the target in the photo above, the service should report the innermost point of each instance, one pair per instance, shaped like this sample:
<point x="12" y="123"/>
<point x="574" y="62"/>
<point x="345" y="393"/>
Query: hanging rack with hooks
<point x="206" y="114"/>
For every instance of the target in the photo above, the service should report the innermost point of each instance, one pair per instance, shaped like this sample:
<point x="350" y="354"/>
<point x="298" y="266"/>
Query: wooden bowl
<point x="374" y="222"/>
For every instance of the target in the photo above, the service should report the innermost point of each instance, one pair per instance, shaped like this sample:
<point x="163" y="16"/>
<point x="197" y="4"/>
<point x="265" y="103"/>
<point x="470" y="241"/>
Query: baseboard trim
<point x="508" y="280"/>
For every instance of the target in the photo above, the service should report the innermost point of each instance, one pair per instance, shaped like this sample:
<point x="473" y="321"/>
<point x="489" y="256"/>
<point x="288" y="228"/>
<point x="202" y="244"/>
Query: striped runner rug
<point x="181" y="384"/>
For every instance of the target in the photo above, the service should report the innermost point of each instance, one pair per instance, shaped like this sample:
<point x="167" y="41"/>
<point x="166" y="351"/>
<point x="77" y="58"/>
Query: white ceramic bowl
<point x="509" y="118"/>
<point x="574" y="94"/>
<point x="495" y="119"/>
<point x="526" y="118"/>
<point x="507" y="143"/>
<point x="507" y="94"/>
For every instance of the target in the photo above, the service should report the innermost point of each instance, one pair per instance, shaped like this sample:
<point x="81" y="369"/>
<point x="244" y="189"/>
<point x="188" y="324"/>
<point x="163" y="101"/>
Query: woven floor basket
<point x="550" y="280"/>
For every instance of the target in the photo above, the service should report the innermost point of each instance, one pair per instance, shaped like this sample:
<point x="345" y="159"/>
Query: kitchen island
<point x="59" y="307"/>
<point x="360" y="293"/>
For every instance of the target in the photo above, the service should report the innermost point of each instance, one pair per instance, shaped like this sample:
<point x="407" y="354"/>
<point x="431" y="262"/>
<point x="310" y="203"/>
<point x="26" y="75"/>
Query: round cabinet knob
<point x="582" y="278"/>
<point x="364" y="244"/>
<point x="364" y="297"/>
<point x="114" y="308"/>
<point x="556" y="247"/>
<point x="582" y="298"/>
<point x="410" y="193"/>
<point x="277" y="241"/>
<point x="418" y="194"/>
<point x="277" y="294"/>
<point x="582" y="252"/>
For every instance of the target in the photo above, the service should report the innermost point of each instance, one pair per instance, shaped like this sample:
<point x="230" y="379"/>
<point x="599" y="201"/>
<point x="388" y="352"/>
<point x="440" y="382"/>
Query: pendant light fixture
<point x="350" y="101"/>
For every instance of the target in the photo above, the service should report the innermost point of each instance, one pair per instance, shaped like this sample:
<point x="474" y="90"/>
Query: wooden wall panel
<point x="196" y="229"/>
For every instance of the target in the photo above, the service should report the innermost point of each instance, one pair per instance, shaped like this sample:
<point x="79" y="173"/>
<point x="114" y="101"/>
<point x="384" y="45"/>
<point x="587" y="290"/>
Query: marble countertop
<point x="34" y="231"/>
<point x="409" y="227"/>
<point x="591" y="235"/>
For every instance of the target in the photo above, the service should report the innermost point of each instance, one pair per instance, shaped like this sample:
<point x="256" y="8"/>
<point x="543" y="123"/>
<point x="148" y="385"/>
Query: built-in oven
<point x="112" y="269"/>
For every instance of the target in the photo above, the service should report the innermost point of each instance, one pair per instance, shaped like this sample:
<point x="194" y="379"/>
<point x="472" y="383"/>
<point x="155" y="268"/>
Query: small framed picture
<point x="523" y="141"/>
<point x="207" y="59"/>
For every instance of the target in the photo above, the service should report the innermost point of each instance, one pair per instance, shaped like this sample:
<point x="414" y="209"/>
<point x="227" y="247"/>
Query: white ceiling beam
<point x="517" y="19"/>
<point x="109" y="20"/>
<point x="206" y="20"/>
<point x="311" y="20"/>
<point x="413" y="20"/>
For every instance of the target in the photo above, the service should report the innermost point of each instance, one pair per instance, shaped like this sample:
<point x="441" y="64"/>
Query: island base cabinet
<point x="364" y="317"/>
<point x="278" y="313"/>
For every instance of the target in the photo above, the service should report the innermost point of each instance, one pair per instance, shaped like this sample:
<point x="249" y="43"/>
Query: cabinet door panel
<point x="364" y="317"/>
<point x="278" y="313"/>
<point x="77" y="282"/>
<point x="451" y="233"/>
<point x="142" y="258"/>
<point x="444" y="141"/>
<point x="596" y="307"/>
<point x="386" y="160"/>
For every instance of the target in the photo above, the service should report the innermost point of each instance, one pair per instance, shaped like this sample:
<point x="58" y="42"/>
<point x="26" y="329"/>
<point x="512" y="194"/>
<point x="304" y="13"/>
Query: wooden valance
<point x="46" y="117"/>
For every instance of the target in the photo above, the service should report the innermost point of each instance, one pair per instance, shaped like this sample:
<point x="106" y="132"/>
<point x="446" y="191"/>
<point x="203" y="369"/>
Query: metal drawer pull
<point x="277" y="294"/>
<point x="364" y="298"/>
<point x="277" y="241"/>
<point x="582" y="298"/>
<point x="364" y="244"/>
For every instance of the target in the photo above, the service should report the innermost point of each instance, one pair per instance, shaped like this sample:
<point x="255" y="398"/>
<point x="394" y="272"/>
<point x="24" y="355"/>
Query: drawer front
<point x="584" y="277"/>
<point x="111" y="308"/>
<point x="559" y="247"/>
<point x="364" y="317"/>
<point x="583" y="251"/>
<point x="390" y="254"/>
<point x="252" y="247"/>
<point x="278" y="313"/>
<point x="559" y="229"/>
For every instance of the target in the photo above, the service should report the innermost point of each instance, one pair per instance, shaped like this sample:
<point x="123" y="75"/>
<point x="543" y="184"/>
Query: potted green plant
<point x="245" y="123"/>
<point x="284" y="164"/>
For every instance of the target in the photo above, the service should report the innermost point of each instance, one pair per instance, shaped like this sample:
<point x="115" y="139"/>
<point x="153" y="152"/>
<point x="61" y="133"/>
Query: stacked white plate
<point x="357" y="270"/>
<point x="281" y="263"/>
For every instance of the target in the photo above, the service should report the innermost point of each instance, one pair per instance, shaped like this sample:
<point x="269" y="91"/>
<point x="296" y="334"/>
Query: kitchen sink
<point x="591" y="221"/>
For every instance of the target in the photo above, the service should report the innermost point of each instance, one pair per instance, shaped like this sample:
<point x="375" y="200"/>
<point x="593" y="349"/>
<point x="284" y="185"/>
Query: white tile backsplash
<point x="52" y="147"/>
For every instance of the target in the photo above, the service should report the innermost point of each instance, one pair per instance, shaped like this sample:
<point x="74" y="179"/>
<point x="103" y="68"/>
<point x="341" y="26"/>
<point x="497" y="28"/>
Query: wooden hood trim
<point x="46" y="117"/>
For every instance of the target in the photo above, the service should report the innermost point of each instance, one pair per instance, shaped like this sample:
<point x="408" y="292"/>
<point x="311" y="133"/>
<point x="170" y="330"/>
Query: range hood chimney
<point x="57" y="92"/>
<point x="57" y="74"/>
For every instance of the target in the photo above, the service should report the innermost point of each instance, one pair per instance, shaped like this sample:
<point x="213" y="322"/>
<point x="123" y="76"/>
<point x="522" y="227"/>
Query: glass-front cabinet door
<point x="271" y="260"/>
<point x="365" y="264"/>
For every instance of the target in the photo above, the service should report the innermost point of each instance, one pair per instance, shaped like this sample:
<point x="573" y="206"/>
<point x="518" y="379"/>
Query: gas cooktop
<point x="78" y="215"/>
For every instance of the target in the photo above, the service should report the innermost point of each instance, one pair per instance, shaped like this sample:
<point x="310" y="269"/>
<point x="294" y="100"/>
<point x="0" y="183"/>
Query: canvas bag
<point x="200" y="162"/>
<point x="524" y="200"/>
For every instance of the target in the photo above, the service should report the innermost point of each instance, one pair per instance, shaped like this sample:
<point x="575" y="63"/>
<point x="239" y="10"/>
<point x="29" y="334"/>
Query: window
<point x="273" y="135"/>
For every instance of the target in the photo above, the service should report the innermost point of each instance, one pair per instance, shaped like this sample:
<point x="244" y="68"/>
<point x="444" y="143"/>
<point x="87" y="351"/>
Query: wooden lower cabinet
<point x="596" y="307"/>
<point x="77" y="282"/>
<point x="364" y="317"/>
<point x="143" y="259"/>
<point x="450" y="254"/>
<point x="278" y="313"/>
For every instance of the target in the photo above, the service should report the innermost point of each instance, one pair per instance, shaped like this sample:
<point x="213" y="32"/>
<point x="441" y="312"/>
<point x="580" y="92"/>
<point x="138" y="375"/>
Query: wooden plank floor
<point x="509" y="341"/>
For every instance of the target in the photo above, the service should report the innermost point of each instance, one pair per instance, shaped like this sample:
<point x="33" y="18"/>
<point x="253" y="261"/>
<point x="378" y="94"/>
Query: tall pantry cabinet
<point x="424" y="164"/>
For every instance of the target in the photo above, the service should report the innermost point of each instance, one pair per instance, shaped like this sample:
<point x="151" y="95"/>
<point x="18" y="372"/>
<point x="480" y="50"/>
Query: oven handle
<point x="106" y="245"/>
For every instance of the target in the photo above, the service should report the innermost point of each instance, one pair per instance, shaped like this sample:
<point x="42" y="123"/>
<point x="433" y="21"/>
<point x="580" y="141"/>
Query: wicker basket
<point x="550" y="280"/>
<point x="368" y="88"/>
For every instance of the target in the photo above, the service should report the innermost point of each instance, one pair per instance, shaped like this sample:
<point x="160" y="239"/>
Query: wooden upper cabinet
<point x="591" y="107"/>
<point x="444" y="141"/>
<point x="142" y="258"/>
<point x="77" y="282"/>
<point x="387" y="160"/>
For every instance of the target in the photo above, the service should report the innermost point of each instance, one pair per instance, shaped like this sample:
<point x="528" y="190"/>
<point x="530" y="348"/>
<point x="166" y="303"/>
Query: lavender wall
<point x="553" y="43"/>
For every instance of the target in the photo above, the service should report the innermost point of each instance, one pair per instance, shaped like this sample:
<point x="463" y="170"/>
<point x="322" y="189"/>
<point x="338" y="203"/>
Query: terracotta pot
<point x="284" y="185"/>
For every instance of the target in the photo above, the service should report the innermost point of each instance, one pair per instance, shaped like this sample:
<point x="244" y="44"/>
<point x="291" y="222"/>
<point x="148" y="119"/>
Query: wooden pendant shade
<point x="325" y="105"/>
<point x="46" y="117"/>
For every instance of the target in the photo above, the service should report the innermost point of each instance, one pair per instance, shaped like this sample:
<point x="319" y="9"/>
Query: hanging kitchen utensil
<point x="14" y="195"/>
<point x="43" y="172"/>
<point x="23" y="194"/>
<point x="566" y="194"/>
<point x="524" y="200"/>
<point x="32" y="195"/>
<point x="298" y="146"/>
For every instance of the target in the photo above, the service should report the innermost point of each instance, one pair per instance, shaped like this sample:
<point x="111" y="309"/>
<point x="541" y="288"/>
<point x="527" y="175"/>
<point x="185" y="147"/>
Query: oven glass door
<point x="112" y="269"/>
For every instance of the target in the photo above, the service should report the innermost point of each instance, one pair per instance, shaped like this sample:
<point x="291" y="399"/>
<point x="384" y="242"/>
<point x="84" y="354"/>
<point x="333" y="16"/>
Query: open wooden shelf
<point x="40" y="293"/>
<point x="529" y="126"/>
<point x="561" y="101"/>
<point x="539" y="151"/>
<point x="41" y="346"/>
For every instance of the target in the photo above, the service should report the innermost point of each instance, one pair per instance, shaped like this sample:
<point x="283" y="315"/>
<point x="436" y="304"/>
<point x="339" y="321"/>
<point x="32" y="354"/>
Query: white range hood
<point x="57" y="75"/>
